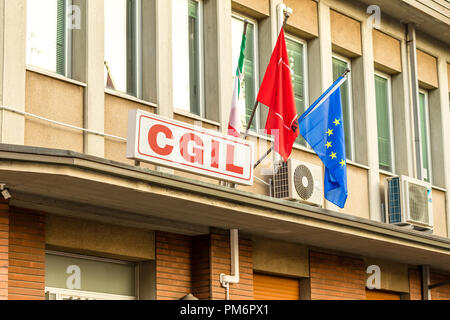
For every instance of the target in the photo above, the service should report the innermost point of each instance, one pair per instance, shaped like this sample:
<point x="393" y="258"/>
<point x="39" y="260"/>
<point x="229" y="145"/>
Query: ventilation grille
<point x="394" y="201"/>
<point x="418" y="203"/>
<point x="303" y="182"/>
<point x="281" y="181"/>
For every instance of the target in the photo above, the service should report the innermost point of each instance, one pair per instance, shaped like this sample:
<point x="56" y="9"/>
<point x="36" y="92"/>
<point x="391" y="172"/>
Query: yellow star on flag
<point x="337" y="122"/>
<point x="329" y="132"/>
<point x="333" y="155"/>
<point x="328" y="144"/>
<point x="342" y="163"/>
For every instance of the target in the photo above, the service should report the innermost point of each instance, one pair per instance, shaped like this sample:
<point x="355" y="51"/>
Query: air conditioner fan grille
<point x="418" y="203"/>
<point x="303" y="182"/>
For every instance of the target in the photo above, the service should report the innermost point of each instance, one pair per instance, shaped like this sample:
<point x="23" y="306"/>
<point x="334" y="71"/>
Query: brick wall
<point x="4" y="244"/>
<point x="194" y="264"/>
<point x="173" y="266"/>
<point x="442" y="292"/>
<point x="26" y="276"/>
<point x="415" y="285"/>
<point x="336" y="278"/>
<point x="221" y="263"/>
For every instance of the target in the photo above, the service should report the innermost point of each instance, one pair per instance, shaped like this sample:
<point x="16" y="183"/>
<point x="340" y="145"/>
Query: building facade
<point x="78" y="220"/>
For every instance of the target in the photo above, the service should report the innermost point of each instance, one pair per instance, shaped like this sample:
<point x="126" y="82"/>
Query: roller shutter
<point x="275" y="288"/>
<point x="381" y="295"/>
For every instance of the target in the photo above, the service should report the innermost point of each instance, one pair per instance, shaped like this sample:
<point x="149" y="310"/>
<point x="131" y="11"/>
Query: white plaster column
<point x="94" y="105"/>
<point x="371" y="122"/>
<point x="445" y="118"/>
<point x="164" y="85"/>
<point x="13" y="30"/>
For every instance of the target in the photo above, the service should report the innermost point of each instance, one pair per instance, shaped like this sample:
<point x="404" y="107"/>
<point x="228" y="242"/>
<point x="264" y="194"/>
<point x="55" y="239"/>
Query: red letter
<point x="215" y="154"/>
<point x="230" y="161"/>
<point x="153" y="137"/>
<point x="197" y="157"/>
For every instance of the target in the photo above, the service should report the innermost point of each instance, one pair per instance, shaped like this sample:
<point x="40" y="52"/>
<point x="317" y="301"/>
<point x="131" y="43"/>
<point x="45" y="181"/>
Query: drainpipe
<point x="426" y="295"/>
<point x="226" y="280"/>
<point x="411" y="41"/>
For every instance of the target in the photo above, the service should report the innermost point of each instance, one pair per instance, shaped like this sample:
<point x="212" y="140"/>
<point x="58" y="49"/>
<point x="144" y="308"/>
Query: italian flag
<point x="234" y="127"/>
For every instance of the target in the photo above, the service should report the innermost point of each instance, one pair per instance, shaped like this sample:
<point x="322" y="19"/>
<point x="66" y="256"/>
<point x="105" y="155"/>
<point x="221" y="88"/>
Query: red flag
<point x="277" y="93"/>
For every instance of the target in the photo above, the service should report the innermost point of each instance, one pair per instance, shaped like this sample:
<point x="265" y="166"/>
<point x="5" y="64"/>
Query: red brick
<point x="335" y="277"/>
<point x="26" y="272"/>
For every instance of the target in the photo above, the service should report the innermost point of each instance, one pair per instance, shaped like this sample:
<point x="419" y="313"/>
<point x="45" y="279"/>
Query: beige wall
<point x="394" y="276"/>
<point x="386" y="51"/>
<point x="427" y="70"/>
<point x="116" y="123"/>
<point x="255" y="8"/>
<point x="345" y="35"/>
<point x="358" y="193"/>
<point x="303" y="21"/>
<point x="56" y="100"/>
<point x="89" y="237"/>
<point x="439" y="215"/>
<point x="279" y="257"/>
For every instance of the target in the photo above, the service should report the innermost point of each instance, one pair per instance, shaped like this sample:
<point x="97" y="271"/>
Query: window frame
<point x="254" y="22"/>
<point x="391" y="125"/>
<point x="348" y="61"/>
<point x="201" y="62"/>
<point x="304" y="43"/>
<point x="201" y="68"/>
<point x="428" y="130"/>
<point x="138" y="48"/>
<point x="89" y="295"/>
<point x="69" y="43"/>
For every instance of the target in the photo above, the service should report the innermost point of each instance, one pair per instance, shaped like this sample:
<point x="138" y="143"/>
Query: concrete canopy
<point x="72" y="184"/>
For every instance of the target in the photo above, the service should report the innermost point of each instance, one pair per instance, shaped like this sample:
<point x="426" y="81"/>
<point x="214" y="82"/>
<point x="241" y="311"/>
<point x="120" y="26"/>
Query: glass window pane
<point x="339" y="66"/>
<point x="296" y="61"/>
<point x="46" y="35"/>
<point x="180" y="51"/>
<point x="94" y="276"/>
<point x="247" y="96"/>
<point x="116" y="43"/>
<point x="186" y="50"/>
<point x="383" y="123"/>
<point x="424" y="137"/>
<point x="121" y="46"/>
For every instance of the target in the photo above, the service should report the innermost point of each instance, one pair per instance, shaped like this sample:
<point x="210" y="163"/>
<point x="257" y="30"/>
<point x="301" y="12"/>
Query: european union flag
<point x="322" y="126"/>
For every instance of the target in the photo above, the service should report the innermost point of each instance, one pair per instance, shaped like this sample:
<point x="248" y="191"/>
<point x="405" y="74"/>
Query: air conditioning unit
<point x="298" y="181"/>
<point x="409" y="203"/>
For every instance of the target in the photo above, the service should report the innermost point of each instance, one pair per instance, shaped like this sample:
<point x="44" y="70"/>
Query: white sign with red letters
<point x="175" y="144"/>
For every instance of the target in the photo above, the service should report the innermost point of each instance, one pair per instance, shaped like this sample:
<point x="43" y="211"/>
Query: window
<point x="249" y="84"/>
<point x="123" y="47"/>
<point x="424" y="124"/>
<point x="384" y="122"/>
<point x="297" y="60"/>
<point x="75" y="277"/>
<point x="340" y="64"/>
<point x="48" y="37"/>
<point x="188" y="56"/>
